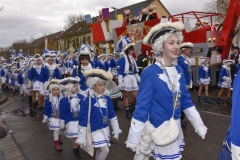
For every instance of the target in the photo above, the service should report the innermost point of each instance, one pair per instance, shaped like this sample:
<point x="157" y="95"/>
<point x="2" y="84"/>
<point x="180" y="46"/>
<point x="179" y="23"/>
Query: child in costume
<point x="69" y="111"/>
<point x="84" y="64"/>
<point x="225" y="80"/>
<point x="52" y="111"/>
<point x="204" y="79"/>
<point x="101" y="112"/>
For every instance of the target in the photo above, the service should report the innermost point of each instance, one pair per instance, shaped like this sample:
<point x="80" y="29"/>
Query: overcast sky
<point x="26" y="19"/>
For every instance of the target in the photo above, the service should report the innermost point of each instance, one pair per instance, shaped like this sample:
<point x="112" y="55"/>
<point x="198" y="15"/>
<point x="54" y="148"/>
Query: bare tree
<point x="76" y="29"/>
<point x="219" y="6"/>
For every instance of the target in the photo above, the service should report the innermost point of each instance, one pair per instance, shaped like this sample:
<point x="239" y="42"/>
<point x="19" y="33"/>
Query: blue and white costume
<point x="233" y="141"/>
<point x="204" y="74"/>
<point x="52" y="112"/>
<point x="82" y="82"/>
<point x="101" y="106"/>
<point x="128" y="76"/>
<point x="185" y="63"/>
<point x="225" y="77"/>
<point x="39" y="75"/>
<point x="69" y="114"/>
<point x="68" y="65"/>
<point x="158" y="106"/>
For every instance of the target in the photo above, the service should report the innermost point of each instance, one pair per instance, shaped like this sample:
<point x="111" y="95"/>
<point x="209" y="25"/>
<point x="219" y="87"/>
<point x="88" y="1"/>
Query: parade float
<point x="214" y="44"/>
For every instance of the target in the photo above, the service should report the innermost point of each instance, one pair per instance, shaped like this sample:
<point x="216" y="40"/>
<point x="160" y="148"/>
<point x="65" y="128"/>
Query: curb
<point x="3" y="99"/>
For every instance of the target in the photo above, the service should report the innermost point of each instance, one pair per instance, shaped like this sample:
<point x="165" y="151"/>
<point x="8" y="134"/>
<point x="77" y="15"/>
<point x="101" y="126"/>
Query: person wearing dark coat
<point x="141" y="62"/>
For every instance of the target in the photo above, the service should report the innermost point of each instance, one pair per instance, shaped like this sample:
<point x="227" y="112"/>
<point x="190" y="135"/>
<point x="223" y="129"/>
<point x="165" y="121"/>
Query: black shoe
<point x="229" y="101"/>
<point x="208" y="100"/>
<point x="219" y="101"/>
<point x="199" y="99"/>
<point x="35" y="106"/>
<point x="40" y="110"/>
<point x="128" y="113"/>
<point x="77" y="154"/>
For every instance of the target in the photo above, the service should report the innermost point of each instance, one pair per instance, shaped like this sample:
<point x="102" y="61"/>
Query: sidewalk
<point x="8" y="147"/>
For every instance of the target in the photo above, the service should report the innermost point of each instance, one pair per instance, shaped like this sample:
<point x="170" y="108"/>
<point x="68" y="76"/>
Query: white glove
<point x="81" y="139"/>
<point x="137" y="77"/>
<point x="227" y="79"/>
<point x="134" y="147"/>
<point x="201" y="81"/>
<point x="45" y="119"/>
<point x="202" y="131"/>
<point x="19" y="85"/>
<point x="209" y="79"/>
<point x="61" y="124"/>
<point x="115" y="127"/>
<point x="195" y="119"/>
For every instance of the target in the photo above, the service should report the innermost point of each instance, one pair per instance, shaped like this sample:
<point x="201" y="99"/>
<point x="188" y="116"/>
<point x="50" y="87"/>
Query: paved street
<point x="35" y="141"/>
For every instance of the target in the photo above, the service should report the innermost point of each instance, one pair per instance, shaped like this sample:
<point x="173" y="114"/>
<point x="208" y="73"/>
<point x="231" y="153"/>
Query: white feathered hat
<point x="160" y="29"/>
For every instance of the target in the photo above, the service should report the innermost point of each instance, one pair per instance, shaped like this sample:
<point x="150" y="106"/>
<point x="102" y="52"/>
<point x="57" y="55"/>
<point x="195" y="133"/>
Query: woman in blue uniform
<point x="38" y="74"/>
<point x="100" y="111"/>
<point x="225" y="80"/>
<point x="128" y="77"/>
<point x="204" y="79"/>
<point x="161" y="98"/>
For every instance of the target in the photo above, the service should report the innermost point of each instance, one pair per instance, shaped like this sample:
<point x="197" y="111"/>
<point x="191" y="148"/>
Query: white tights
<point x="102" y="153"/>
<point x="56" y="133"/>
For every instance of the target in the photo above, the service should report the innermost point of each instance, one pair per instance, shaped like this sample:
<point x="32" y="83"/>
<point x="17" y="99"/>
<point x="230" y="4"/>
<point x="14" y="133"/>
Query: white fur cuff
<point x="135" y="132"/>
<point x="235" y="152"/>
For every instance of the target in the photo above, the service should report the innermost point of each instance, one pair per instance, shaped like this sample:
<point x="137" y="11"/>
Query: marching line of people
<point x="71" y="91"/>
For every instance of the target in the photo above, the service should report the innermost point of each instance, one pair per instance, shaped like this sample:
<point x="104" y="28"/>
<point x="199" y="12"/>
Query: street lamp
<point x="115" y="11"/>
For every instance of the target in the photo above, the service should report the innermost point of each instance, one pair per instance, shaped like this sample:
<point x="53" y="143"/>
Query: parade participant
<point x="139" y="17"/>
<point x="68" y="66"/>
<point x="97" y="108"/>
<point x="234" y="131"/>
<point x="75" y="62"/>
<point x="102" y="59"/>
<point x="150" y="15"/>
<point x="52" y="69"/>
<point x="14" y="80"/>
<point x="21" y="63"/>
<point x="184" y="62"/>
<point x="225" y="80"/>
<point x="37" y="74"/>
<point x="153" y="7"/>
<point x="215" y="27"/>
<point x="132" y="19"/>
<point x="234" y="56"/>
<point x="83" y="65"/>
<point x="70" y="110"/>
<point x="127" y="13"/>
<point x="197" y="26"/>
<point x="22" y="82"/>
<point x="206" y="25"/>
<point x="52" y="111"/>
<point x="204" y="79"/>
<point x="161" y="98"/>
<point x="100" y="17"/>
<point x="29" y="83"/>
<point x="59" y="61"/>
<point x="141" y="61"/>
<point x="144" y="15"/>
<point x="128" y="77"/>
